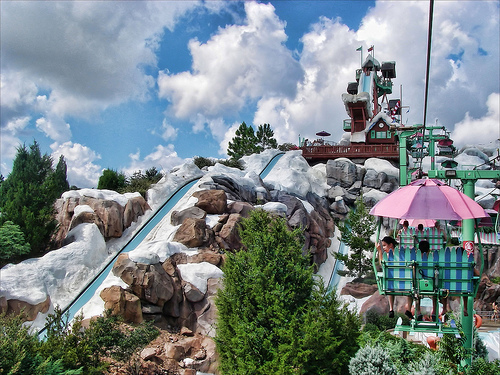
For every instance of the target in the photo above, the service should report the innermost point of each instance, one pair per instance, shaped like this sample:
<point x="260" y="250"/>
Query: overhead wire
<point x="427" y="74"/>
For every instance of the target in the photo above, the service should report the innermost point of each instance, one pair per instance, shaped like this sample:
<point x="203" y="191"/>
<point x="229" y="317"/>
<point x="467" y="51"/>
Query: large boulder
<point x="194" y="212"/>
<point x="28" y="311"/>
<point x="192" y="232"/>
<point x="229" y="238"/>
<point x="150" y="283"/>
<point x="110" y="212"/>
<point x="358" y="290"/>
<point x="122" y="303"/>
<point x="341" y="172"/>
<point x="211" y="201"/>
<point x="135" y="207"/>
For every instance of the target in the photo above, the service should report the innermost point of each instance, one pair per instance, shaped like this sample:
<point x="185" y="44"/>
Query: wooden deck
<point x="326" y="152"/>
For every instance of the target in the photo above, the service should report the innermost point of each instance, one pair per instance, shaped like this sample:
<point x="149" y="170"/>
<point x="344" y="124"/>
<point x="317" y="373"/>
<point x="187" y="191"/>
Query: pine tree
<point x="272" y="316"/>
<point x="243" y="143"/>
<point x="356" y="231"/>
<point x="27" y="195"/>
<point x="265" y="138"/>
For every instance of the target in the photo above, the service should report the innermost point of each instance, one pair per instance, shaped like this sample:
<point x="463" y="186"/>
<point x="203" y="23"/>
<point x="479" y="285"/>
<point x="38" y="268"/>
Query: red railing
<point x="389" y="151"/>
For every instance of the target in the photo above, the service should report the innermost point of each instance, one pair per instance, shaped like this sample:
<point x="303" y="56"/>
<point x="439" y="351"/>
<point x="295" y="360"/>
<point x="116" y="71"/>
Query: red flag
<point x="370" y="49"/>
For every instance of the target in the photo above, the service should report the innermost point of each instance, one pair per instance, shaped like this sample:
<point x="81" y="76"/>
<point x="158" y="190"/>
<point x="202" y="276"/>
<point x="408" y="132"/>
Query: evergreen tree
<point x="27" y="195"/>
<point x="355" y="232"/>
<point x="265" y="138"/>
<point x="272" y="317"/>
<point x="57" y="181"/>
<point x="111" y="180"/>
<point x="12" y="242"/>
<point x="243" y="143"/>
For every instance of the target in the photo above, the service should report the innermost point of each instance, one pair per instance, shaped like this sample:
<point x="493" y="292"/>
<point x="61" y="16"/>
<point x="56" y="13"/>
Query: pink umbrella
<point x="428" y="199"/>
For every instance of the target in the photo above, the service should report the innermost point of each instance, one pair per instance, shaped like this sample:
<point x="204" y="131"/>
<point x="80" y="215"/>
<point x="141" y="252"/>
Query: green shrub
<point x="372" y="360"/>
<point x="12" y="242"/>
<point x="202" y="162"/>
<point x="481" y="366"/>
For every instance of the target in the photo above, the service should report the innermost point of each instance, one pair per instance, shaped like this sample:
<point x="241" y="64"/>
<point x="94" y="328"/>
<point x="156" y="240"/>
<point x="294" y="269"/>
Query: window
<point x="381" y="135"/>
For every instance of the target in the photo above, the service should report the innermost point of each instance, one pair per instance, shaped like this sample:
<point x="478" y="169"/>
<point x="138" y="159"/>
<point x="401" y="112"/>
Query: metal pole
<point x="468" y="237"/>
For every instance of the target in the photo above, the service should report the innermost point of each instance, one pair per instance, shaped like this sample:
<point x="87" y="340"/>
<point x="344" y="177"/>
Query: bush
<point x="12" y="242"/>
<point x="202" y="162"/>
<point x="481" y="366"/>
<point x="372" y="360"/>
<point x="68" y="349"/>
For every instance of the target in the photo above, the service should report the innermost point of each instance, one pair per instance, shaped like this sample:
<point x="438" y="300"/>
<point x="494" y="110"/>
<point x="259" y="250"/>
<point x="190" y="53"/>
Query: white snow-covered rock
<point x="199" y="273"/>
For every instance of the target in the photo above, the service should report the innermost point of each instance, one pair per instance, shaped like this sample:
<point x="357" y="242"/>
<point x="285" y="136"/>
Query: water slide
<point x="91" y="287"/>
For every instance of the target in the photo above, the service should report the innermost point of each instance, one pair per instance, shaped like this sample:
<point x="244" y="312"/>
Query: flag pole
<point x="360" y="49"/>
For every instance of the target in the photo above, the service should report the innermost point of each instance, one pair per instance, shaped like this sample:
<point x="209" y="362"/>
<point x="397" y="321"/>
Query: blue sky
<point x="131" y="85"/>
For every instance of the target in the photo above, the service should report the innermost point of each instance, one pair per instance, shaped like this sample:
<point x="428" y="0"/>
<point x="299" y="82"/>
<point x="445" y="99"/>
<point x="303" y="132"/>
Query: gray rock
<point x="342" y="171"/>
<point x="178" y="217"/>
<point x="192" y="293"/>
<point x="336" y="191"/>
<point x="339" y="207"/>
<point x="356" y="187"/>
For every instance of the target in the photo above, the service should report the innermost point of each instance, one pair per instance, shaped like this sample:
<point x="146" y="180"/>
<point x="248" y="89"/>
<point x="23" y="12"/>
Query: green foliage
<point x="201" y="162"/>
<point x="77" y="348"/>
<point x="495" y="280"/>
<point x="355" y="232"/>
<point x="243" y="143"/>
<point x="28" y="194"/>
<point x="382" y="321"/>
<point x="480" y="366"/>
<point x="111" y="180"/>
<point x="265" y="138"/>
<point x="272" y="319"/>
<point x="372" y="360"/>
<point x="141" y="182"/>
<point x="12" y="242"/>
<point x="20" y="351"/>
<point x="287" y="147"/>
<point x="232" y="163"/>
<point x="67" y="349"/>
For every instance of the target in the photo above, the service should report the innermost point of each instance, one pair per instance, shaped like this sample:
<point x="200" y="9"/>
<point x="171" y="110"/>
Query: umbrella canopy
<point x="323" y="134"/>
<point x="427" y="223"/>
<point x="428" y="199"/>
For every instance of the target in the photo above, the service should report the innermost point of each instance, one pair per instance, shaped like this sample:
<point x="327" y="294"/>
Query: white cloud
<point x="239" y="64"/>
<point x="481" y="131"/>
<point x="56" y="128"/>
<point x="164" y="158"/>
<point x="93" y="56"/>
<point x="168" y="131"/>
<point x="80" y="160"/>
<point x="9" y="142"/>
<point x="228" y="137"/>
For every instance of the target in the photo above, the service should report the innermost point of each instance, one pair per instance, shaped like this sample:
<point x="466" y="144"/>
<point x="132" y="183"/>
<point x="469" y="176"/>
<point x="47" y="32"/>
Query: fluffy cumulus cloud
<point x="239" y="64"/>
<point x="168" y="131"/>
<point x="77" y="58"/>
<point x="481" y="131"/>
<point x="82" y="170"/>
